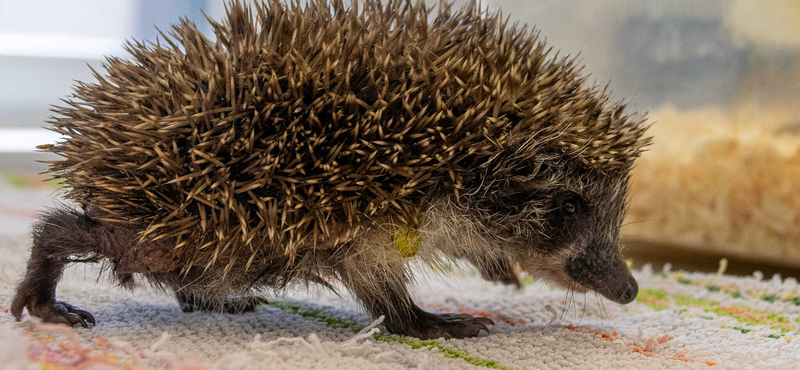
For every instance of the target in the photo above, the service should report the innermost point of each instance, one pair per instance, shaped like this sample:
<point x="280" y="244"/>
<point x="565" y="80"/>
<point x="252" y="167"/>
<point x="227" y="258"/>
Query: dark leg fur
<point x="193" y="294"/>
<point x="499" y="270"/>
<point x="494" y="268"/>
<point x="57" y="237"/>
<point x="234" y="304"/>
<point x="382" y="291"/>
<point x="403" y="316"/>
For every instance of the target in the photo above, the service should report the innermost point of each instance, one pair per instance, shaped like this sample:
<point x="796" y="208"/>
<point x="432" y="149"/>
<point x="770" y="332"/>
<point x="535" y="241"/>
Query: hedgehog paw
<point x="59" y="312"/>
<point x="448" y="325"/>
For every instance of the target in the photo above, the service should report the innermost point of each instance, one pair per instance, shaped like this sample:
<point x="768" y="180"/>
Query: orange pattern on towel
<point x="648" y="350"/>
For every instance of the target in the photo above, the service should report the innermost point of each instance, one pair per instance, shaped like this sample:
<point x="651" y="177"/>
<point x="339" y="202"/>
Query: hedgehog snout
<point x="630" y="291"/>
<point x="608" y="276"/>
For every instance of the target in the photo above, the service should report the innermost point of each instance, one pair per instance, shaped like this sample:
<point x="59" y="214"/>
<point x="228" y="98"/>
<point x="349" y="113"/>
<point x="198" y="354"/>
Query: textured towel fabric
<point x="680" y="320"/>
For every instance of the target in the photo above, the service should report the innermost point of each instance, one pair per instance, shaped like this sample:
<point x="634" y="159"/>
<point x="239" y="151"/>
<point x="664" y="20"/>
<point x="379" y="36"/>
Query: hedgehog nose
<point x="630" y="291"/>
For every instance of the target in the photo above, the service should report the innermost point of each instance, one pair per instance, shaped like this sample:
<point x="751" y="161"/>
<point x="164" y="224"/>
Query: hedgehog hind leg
<point x="194" y="292"/>
<point x="190" y="302"/>
<point x="60" y="237"/>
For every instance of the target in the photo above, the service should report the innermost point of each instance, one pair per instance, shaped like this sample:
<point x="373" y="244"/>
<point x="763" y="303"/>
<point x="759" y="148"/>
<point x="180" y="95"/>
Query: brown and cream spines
<point x="300" y="129"/>
<point x="296" y="116"/>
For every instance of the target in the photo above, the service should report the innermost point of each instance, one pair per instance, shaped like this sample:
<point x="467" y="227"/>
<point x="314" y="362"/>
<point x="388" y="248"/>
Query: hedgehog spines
<point x="296" y="117"/>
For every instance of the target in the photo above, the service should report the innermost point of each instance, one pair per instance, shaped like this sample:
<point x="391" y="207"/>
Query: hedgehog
<point x="337" y="144"/>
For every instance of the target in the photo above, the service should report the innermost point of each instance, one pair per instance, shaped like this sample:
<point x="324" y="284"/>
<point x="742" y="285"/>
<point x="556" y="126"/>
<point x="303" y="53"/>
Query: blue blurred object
<point x="160" y="13"/>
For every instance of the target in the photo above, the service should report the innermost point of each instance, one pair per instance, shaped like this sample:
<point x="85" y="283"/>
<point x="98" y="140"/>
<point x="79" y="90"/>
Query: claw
<point x="484" y="321"/>
<point x="449" y="325"/>
<point x="83" y="314"/>
<point x="75" y="319"/>
<point x="87" y="316"/>
<point x="55" y="312"/>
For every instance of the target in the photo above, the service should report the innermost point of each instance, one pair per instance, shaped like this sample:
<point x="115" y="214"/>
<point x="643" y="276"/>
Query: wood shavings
<point x="725" y="181"/>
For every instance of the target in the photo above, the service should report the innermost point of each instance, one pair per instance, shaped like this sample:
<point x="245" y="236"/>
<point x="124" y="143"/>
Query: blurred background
<point x="721" y="79"/>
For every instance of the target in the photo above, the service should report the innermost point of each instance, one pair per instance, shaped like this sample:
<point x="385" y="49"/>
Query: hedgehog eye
<point x="569" y="206"/>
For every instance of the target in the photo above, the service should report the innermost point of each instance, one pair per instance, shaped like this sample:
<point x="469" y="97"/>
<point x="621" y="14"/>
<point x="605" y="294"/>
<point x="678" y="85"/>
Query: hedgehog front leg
<point x="380" y="285"/>
<point x="58" y="236"/>
<point x="402" y="316"/>
<point x="497" y="269"/>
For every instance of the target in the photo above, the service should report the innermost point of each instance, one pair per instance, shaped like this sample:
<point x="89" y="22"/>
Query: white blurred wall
<point x="96" y="18"/>
<point x="46" y="45"/>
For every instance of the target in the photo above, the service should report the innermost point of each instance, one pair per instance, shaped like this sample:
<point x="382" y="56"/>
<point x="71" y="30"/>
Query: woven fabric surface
<point x="680" y="320"/>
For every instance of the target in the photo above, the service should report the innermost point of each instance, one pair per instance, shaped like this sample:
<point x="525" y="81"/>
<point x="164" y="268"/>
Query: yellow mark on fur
<point x="406" y="240"/>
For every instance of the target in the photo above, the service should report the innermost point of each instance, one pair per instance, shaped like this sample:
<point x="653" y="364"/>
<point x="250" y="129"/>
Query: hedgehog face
<point x="591" y="224"/>
<point x="565" y="229"/>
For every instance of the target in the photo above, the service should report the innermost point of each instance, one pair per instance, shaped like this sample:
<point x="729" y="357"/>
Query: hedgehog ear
<point x="532" y="175"/>
<point x="521" y="163"/>
<point x="525" y="170"/>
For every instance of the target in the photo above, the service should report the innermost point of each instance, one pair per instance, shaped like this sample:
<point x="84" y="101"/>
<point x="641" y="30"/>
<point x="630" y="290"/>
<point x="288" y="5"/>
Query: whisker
<point x="574" y="309"/>
<point x="605" y="312"/>
<point x="638" y="221"/>
<point x="584" y="309"/>
<point x="571" y="299"/>
<point x="602" y="309"/>
<point x="565" y="307"/>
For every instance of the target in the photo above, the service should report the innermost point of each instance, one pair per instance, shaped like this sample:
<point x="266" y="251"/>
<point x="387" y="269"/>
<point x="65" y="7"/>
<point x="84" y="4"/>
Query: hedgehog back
<point x="296" y="117"/>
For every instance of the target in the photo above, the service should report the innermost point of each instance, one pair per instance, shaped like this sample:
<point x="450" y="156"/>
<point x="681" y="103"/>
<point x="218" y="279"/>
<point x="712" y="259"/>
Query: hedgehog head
<point x="558" y="207"/>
